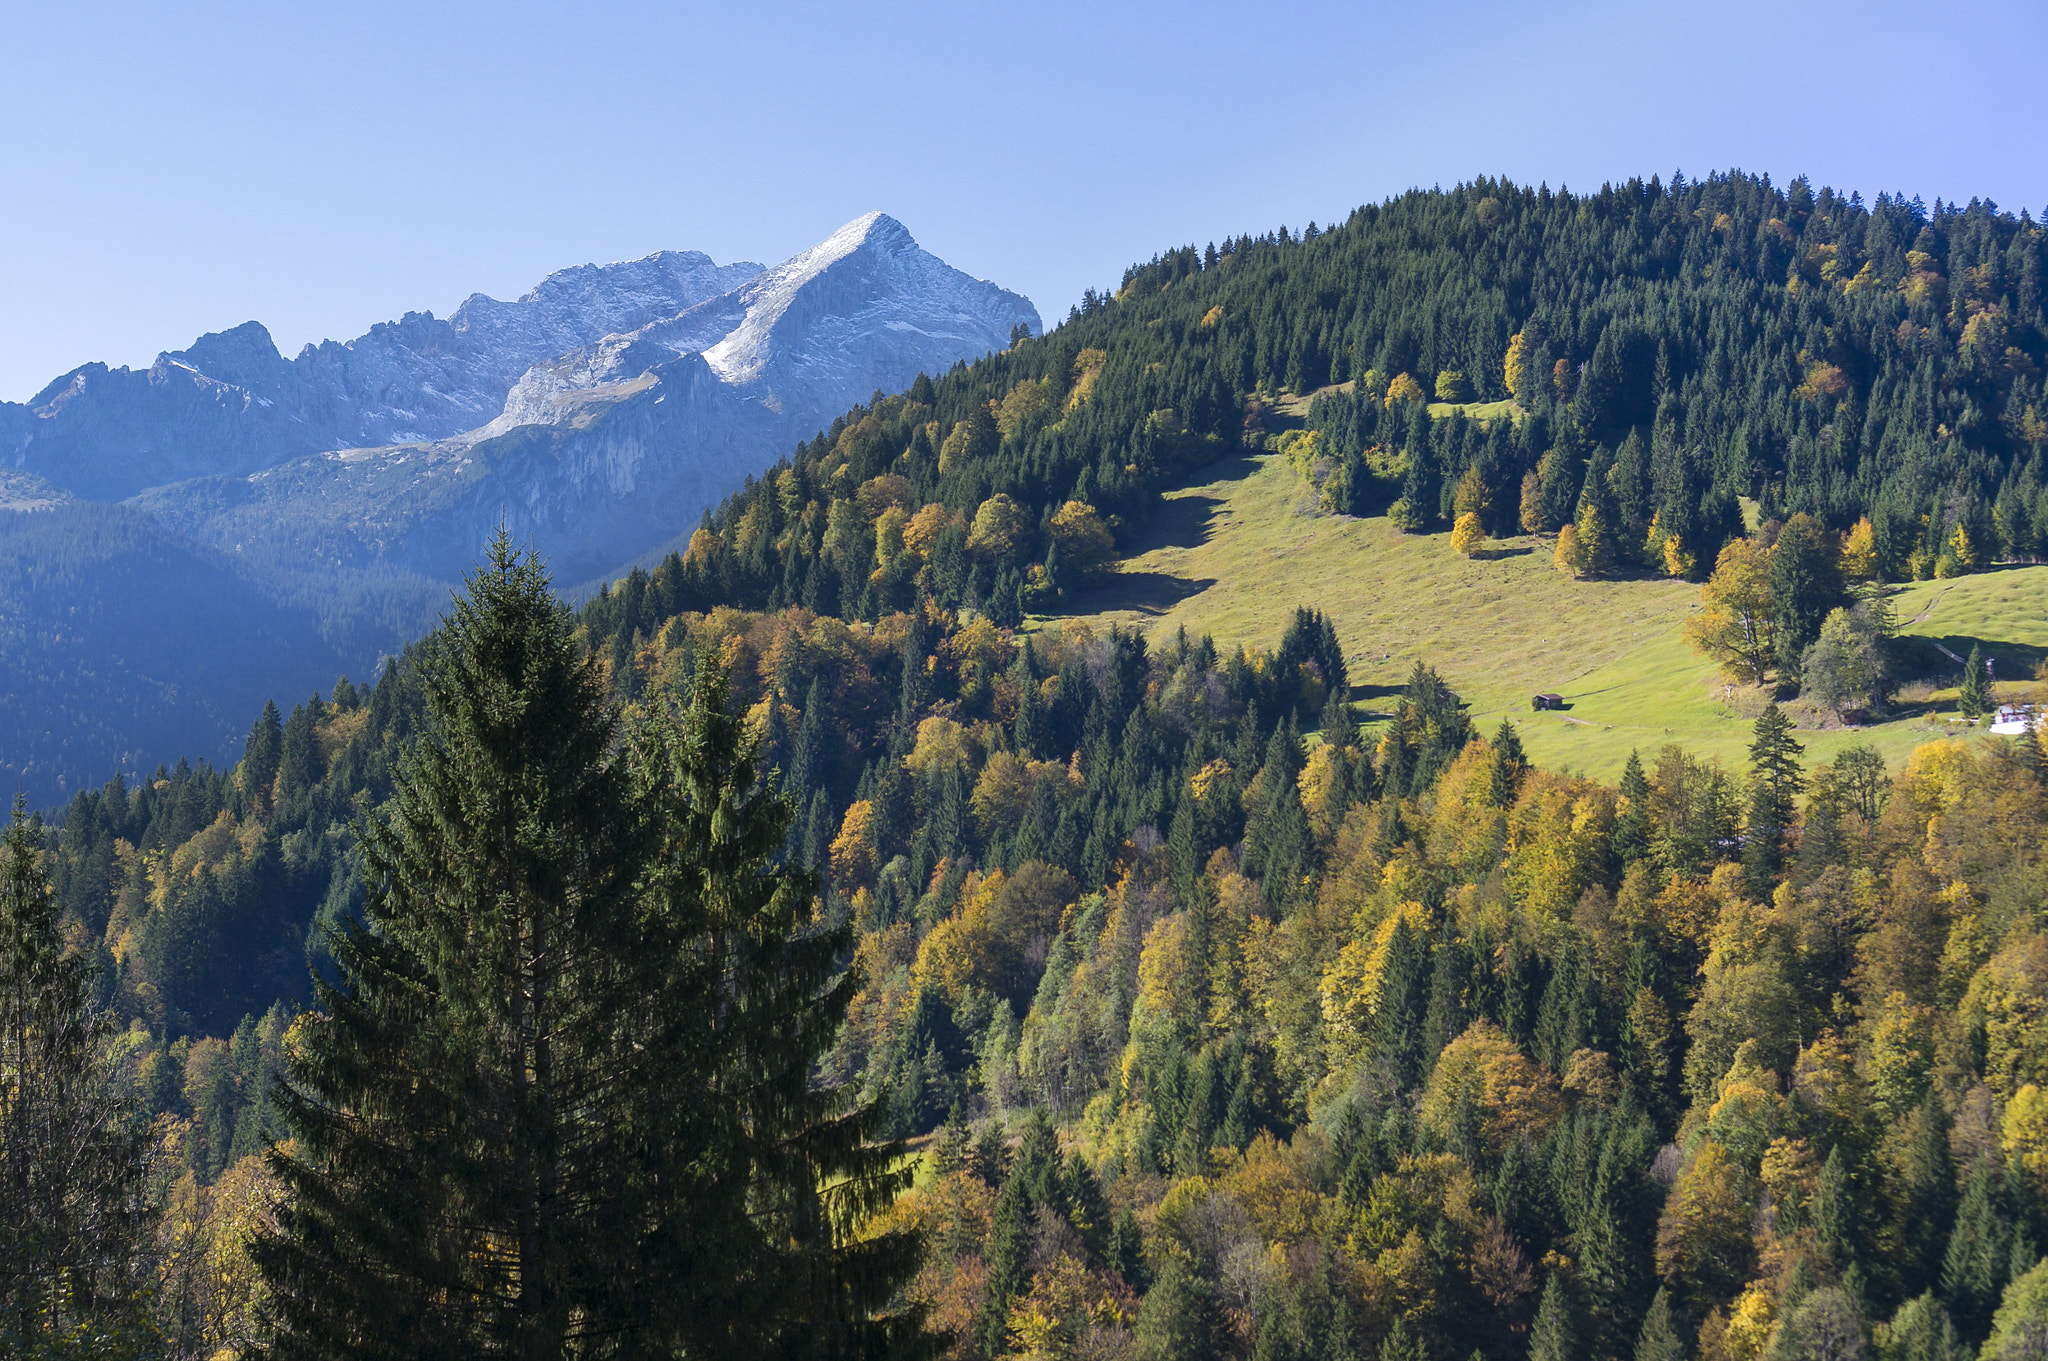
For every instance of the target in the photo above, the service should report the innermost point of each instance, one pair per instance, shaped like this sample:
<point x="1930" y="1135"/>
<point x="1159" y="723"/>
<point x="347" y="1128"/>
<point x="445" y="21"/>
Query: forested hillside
<point x="1228" y="1026"/>
<point x="118" y="638"/>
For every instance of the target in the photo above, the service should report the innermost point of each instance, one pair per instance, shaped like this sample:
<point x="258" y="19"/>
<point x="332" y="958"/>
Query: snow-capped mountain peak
<point x="870" y="279"/>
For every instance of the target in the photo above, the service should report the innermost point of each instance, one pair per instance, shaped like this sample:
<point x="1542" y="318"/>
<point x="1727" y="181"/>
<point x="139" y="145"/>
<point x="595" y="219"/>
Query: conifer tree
<point x="1925" y="1198"/>
<point x="1027" y="1192"/>
<point x="1805" y="583"/>
<point x="768" y="1185"/>
<point x="1834" y="1212"/>
<point x="1550" y="1336"/>
<point x="1774" y="785"/>
<point x="445" y="1196"/>
<point x="1974" y="698"/>
<point x="1183" y="852"/>
<point x="71" y="1158"/>
<point x="807" y="754"/>
<point x="260" y="755"/>
<point x="558" y="1102"/>
<point x="1509" y="763"/>
<point x="1631" y="835"/>
<point x="1179" y="1319"/>
<point x="299" y="764"/>
<point x="1278" y="841"/>
<point x="1659" y="1339"/>
<point x="1979" y="1257"/>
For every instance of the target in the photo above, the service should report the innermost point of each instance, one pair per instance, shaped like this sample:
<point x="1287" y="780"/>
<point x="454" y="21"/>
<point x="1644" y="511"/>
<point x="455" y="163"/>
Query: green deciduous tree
<point x="1844" y="667"/>
<point x="2019" y="1330"/>
<point x="1736" y="626"/>
<point x="1922" y="1331"/>
<point x="1824" y="1325"/>
<point x="1805" y="584"/>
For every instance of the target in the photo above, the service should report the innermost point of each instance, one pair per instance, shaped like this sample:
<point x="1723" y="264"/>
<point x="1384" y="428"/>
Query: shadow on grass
<point x="1150" y="593"/>
<point x="1183" y="522"/>
<point x="1922" y="657"/>
<point x="1189" y="521"/>
<point x="1376" y="703"/>
<point x="1489" y="554"/>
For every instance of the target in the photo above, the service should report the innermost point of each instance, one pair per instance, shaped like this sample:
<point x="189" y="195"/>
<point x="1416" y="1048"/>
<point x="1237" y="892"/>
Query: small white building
<point x="2012" y="720"/>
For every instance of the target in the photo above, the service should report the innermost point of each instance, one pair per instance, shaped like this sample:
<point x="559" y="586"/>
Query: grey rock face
<point x="232" y="404"/>
<point x="289" y="519"/>
<point x="611" y="448"/>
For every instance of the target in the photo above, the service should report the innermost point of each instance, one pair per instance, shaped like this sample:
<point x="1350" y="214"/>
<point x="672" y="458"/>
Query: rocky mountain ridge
<point x="326" y="503"/>
<point x="231" y="403"/>
<point x="613" y="448"/>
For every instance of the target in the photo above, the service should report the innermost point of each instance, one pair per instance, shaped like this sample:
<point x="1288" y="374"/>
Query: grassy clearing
<point x="1505" y="409"/>
<point x="1294" y="405"/>
<point x="1234" y="555"/>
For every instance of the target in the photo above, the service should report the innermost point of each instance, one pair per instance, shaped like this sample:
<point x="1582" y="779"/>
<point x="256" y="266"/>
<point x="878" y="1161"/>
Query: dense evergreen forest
<point x="1224" y="1026"/>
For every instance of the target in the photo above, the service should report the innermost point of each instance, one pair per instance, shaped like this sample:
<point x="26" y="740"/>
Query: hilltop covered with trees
<point x="1670" y="349"/>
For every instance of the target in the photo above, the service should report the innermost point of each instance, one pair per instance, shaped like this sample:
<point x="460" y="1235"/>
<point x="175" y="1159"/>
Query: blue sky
<point x="171" y="170"/>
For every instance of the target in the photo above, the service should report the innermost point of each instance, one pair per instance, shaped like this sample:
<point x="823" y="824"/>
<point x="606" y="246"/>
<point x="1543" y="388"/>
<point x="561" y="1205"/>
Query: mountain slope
<point x="121" y="645"/>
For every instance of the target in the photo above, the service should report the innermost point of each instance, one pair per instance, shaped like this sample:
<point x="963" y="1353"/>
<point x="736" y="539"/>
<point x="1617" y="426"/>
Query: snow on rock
<point x="638" y="399"/>
<point x="232" y="404"/>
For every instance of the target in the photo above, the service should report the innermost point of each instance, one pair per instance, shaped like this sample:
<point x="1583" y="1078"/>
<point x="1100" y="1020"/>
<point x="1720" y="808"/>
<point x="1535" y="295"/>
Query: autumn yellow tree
<point x="853" y="850"/>
<point x="1566" y="556"/>
<point x="1473" y="496"/>
<point x="926" y="526"/>
<point x="1026" y="404"/>
<point x="1859" y="552"/>
<point x="1532" y="502"/>
<point x="1000" y="531"/>
<point x="1703" y="1241"/>
<point x="1084" y="541"/>
<point x="941" y="743"/>
<point x="1595" y="540"/>
<point x="1483" y="1077"/>
<point x="1404" y="388"/>
<point x="1734" y="626"/>
<point x="208" y="1293"/>
<point x="1468" y="536"/>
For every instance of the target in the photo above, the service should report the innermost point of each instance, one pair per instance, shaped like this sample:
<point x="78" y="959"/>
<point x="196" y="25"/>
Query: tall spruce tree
<point x="764" y="1251"/>
<point x="71" y="1156"/>
<point x="1774" y="784"/>
<point x="1630" y="840"/>
<point x="260" y="756"/>
<point x="1659" y="1339"/>
<point x="1973" y="699"/>
<point x="1504" y="781"/>
<point x="1550" y="1336"/>
<point x="557" y="1104"/>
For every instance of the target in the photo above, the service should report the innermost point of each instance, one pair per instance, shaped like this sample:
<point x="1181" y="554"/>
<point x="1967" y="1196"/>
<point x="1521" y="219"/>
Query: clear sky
<point x="175" y="169"/>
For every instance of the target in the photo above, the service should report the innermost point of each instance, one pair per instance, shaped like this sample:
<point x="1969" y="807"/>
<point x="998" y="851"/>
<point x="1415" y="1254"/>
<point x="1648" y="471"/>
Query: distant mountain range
<point x="597" y="417"/>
